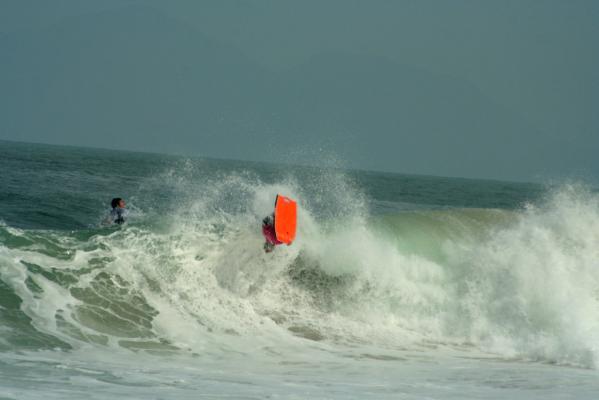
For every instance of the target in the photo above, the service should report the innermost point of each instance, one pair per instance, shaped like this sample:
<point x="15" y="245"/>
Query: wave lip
<point x="522" y="283"/>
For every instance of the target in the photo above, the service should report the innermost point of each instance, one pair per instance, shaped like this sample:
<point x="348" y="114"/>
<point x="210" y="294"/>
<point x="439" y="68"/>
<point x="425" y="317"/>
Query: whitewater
<point x="397" y="286"/>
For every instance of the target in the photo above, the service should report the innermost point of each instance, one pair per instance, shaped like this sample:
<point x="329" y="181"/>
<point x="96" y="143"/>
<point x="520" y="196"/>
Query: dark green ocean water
<point x="57" y="187"/>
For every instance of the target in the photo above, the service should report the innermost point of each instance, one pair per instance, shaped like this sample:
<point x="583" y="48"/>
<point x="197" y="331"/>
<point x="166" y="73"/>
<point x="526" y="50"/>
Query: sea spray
<point x="380" y="261"/>
<point x="531" y="289"/>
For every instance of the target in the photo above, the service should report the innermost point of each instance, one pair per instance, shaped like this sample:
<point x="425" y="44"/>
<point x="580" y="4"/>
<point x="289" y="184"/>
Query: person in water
<point x="118" y="213"/>
<point x="270" y="236"/>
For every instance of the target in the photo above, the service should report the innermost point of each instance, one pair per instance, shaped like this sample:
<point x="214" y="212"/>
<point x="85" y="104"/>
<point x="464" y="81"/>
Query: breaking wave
<point x="520" y="284"/>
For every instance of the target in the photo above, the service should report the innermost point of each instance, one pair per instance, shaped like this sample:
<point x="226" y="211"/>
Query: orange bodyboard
<point x="285" y="219"/>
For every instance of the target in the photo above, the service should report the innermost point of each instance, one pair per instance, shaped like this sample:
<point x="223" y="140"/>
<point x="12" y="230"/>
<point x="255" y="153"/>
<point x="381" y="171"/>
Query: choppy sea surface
<point x="398" y="286"/>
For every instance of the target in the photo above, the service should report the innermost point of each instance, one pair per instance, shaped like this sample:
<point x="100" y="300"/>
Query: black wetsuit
<point x="118" y="215"/>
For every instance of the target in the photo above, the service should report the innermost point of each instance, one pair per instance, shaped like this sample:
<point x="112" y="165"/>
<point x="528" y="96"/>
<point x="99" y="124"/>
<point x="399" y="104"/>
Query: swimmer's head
<point x="117" y="202"/>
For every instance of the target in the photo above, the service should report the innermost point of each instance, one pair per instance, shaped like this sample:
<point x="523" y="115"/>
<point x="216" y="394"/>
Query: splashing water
<point x="367" y="278"/>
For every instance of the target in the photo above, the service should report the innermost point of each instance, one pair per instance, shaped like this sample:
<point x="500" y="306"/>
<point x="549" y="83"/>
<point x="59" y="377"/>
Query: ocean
<point x="397" y="286"/>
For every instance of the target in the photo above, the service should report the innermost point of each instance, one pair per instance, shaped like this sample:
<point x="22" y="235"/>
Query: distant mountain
<point x="134" y="78"/>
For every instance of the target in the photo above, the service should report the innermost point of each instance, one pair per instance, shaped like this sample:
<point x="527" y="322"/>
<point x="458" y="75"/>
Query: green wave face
<point x="59" y="289"/>
<point x="498" y="280"/>
<point x="380" y="259"/>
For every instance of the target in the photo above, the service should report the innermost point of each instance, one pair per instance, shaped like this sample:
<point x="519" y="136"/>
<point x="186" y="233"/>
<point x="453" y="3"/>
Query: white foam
<point x="527" y="289"/>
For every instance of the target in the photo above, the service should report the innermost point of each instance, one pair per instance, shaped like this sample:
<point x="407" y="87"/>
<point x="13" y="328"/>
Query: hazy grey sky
<point x="498" y="89"/>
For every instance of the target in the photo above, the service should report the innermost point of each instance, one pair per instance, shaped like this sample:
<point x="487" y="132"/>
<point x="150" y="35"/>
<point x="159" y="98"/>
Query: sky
<point x="482" y="89"/>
